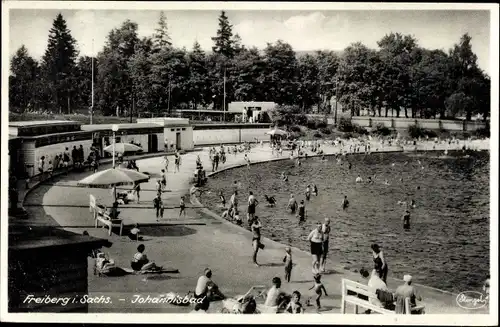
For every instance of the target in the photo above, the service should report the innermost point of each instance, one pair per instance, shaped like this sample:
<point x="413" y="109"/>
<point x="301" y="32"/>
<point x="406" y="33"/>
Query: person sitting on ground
<point x="134" y="233"/>
<point x="295" y="306"/>
<point x="205" y="287"/>
<point x="407" y="290"/>
<point x="275" y="295"/>
<point x="104" y="265"/>
<point x="141" y="262"/>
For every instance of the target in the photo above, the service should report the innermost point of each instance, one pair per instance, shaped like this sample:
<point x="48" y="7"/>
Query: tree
<point x="23" y="80"/>
<point x="223" y="42"/>
<point x="248" y="76"/>
<point x="280" y="82"/>
<point x="197" y="85"/>
<point x="58" y="64"/>
<point x="308" y="82"/>
<point x="238" y="47"/>
<point x="468" y="78"/>
<point x="161" y="37"/>
<point x="395" y="52"/>
<point x="328" y="63"/>
<point x="139" y="66"/>
<point x="115" y="86"/>
<point x="83" y="78"/>
<point x="356" y="83"/>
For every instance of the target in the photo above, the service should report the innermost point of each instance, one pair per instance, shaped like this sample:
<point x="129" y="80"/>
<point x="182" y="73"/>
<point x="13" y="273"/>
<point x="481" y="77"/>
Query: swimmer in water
<point x="406" y="220"/>
<point x="359" y="179"/>
<point x="315" y="190"/>
<point x="302" y="212"/>
<point x="292" y="204"/>
<point x="369" y="181"/>
<point x="284" y="177"/>
<point x="308" y="193"/>
<point x="345" y="203"/>
<point x="350" y="165"/>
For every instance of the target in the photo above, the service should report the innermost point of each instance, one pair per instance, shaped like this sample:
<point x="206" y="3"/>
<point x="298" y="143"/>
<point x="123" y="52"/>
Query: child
<point x="288" y="263"/>
<point x="222" y="199"/>
<point x="134" y="233"/>
<point x="308" y="193"/>
<point x="295" y="306"/>
<point x="166" y="163"/>
<point x="183" y="207"/>
<point x="163" y="179"/>
<point x="302" y="212"/>
<point x="318" y="290"/>
<point x="237" y="218"/>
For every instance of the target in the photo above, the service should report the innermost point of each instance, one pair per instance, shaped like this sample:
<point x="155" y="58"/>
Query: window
<point x="172" y="129"/>
<point x="183" y="129"/>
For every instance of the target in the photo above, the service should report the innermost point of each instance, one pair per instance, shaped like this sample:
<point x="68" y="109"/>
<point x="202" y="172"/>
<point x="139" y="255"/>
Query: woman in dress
<point x="316" y="239"/>
<point x="380" y="265"/>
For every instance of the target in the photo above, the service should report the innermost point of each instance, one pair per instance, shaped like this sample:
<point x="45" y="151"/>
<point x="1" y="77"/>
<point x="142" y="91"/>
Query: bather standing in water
<point x="406" y="220"/>
<point x="345" y="203"/>
<point x="292" y="204"/>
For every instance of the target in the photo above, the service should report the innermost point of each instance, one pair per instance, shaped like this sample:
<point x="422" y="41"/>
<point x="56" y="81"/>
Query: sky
<point x="304" y="30"/>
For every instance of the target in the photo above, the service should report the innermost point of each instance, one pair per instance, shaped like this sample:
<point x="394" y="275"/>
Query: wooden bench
<point x="349" y="286"/>
<point x="100" y="215"/>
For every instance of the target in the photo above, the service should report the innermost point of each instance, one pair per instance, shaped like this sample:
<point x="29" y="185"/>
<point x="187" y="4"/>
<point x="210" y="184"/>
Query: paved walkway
<point x="190" y="244"/>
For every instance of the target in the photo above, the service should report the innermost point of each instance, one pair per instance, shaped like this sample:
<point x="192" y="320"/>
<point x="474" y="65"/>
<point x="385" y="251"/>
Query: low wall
<point x="205" y="134"/>
<point x="404" y="123"/>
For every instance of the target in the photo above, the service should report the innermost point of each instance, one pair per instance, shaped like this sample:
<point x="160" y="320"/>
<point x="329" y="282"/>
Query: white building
<point x="176" y="131"/>
<point x="250" y="110"/>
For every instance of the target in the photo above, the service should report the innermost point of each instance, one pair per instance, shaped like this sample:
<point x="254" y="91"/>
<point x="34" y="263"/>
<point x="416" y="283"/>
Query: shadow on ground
<point x="159" y="231"/>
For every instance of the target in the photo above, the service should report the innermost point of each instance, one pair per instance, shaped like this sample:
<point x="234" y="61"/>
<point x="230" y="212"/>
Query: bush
<point x="381" y="129"/>
<point x="482" y="132"/>
<point x="415" y="132"/>
<point x="311" y="124"/>
<point x="321" y="124"/>
<point x="318" y="135"/>
<point x="345" y="125"/>
<point x="430" y="133"/>
<point x="325" y="130"/>
<point x="295" y="129"/>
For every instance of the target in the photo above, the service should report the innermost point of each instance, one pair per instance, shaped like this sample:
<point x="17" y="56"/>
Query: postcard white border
<point x="434" y="319"/>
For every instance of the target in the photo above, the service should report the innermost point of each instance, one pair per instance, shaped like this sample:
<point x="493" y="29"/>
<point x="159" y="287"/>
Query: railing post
<point x="342" y="306"/>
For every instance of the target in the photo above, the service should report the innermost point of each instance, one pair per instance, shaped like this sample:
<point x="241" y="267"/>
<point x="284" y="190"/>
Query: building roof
<point x="25" y="237"/>
<point x="107" y="127"/>
<point x="41" y="123"/>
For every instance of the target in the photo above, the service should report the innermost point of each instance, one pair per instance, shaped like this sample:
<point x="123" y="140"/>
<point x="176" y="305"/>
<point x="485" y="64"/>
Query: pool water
<point x="447" y="245"/>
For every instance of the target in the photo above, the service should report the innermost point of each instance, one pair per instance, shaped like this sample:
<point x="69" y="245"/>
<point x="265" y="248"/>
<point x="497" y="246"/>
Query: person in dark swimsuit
<point x="380" y="265"/>
<point x="256" y="226"/>
<point x="406" y="220"/>
<point x="302" y="212"/>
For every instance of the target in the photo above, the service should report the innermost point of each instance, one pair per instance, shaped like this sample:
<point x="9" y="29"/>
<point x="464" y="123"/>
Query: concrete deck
<point x="191" y="244"/>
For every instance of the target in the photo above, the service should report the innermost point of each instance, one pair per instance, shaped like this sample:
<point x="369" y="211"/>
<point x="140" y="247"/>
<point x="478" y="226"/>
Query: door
<point x="178" y="140"/>
<point x="154" y="143"/>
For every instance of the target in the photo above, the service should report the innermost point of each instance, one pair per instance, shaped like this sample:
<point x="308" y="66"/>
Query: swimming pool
<point x="448" y="244"/>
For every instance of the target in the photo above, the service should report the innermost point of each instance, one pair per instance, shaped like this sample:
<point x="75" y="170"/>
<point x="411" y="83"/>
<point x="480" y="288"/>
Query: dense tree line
<point x="152" y="75"/>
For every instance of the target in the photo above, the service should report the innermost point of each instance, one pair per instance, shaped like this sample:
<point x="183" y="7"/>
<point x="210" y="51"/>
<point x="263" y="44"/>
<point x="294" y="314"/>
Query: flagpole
<point x="224" y="103"/>
<point x="92" y="106"/>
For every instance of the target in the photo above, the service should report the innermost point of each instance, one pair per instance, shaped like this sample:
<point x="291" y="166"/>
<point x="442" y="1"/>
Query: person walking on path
<point x="158" y="205"/>
<point x="326" y="238"/>
<point x="256" y="244"/>
<point x="166" y="163"/>
<point x="182" y="205"/>
<point x="380" y="265"/>
<point x="316" y="240"/>
<point x="252" y="204"/>
<point x="288" y="263"/>
<point x="137" y="191"/>
<point x="177" y="162"/>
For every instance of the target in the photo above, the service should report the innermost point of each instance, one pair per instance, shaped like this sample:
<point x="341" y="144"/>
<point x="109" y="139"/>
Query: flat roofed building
<point x="177" y="132"/>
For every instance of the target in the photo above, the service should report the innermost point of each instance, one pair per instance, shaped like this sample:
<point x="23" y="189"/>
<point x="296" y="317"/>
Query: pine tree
<point x="197" y="84"/>
<point x="161" y="37"/>
<point x="224" y="43"/>
<point x="59" y="63"/>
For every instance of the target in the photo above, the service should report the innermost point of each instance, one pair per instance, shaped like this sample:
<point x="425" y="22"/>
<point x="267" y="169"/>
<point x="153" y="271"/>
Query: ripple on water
<point x="448" y="244"/>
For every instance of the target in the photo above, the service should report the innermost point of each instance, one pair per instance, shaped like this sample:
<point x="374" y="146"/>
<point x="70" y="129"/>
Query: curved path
<point x="190" y="244"/>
